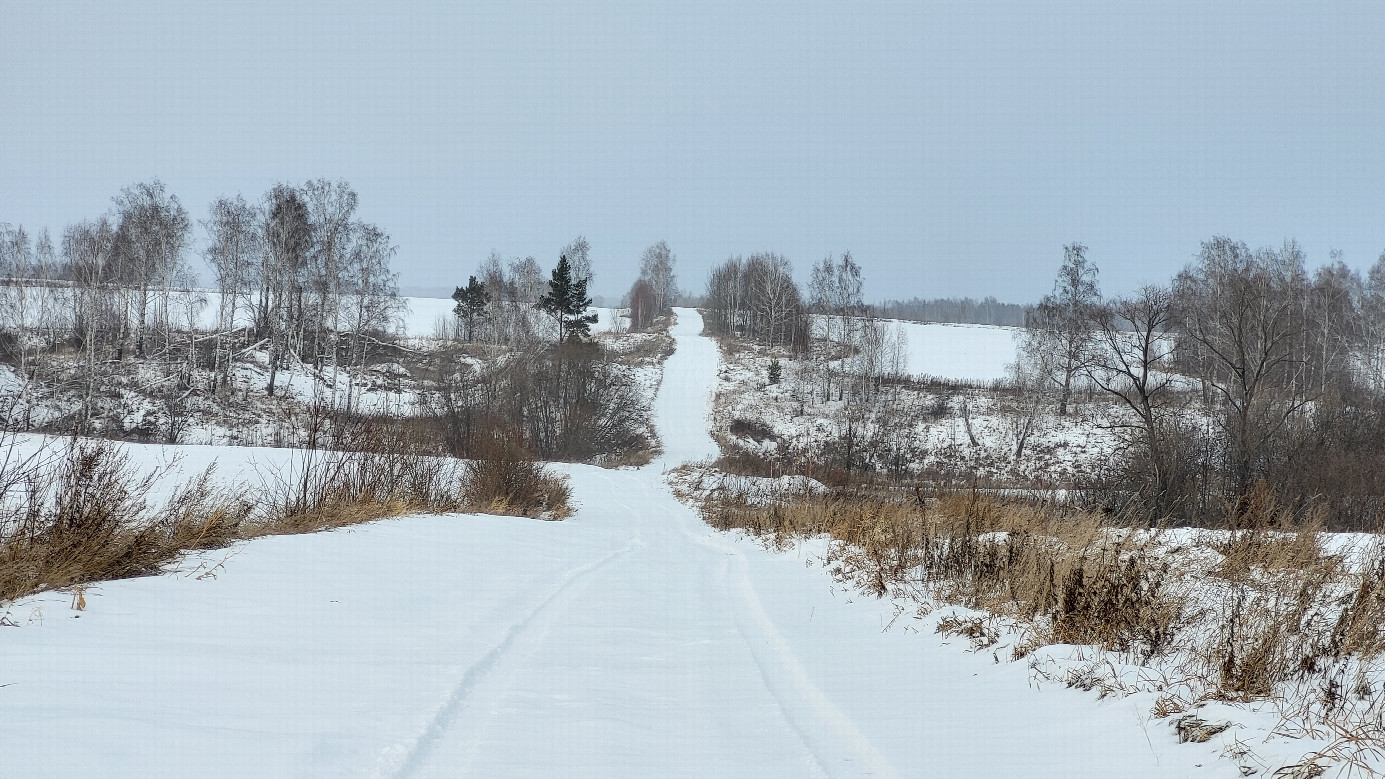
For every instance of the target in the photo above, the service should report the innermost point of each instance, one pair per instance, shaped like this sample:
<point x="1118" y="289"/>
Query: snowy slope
<point x="630" y="640"/>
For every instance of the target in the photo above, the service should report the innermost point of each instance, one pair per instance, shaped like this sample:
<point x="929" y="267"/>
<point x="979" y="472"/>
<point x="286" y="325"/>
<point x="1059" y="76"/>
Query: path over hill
<point x="629" y="640"/>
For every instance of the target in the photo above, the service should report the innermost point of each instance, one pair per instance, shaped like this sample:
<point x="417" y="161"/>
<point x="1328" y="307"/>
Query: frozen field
<point x="965" y="352"/>
<point x="629" y="640"/>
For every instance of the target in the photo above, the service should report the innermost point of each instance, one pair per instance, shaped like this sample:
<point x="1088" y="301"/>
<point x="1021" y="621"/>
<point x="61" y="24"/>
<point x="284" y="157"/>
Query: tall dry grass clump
<point x="1061" y="571"/>
<point x="84" y="515"/>
<point x="506" y="479"/>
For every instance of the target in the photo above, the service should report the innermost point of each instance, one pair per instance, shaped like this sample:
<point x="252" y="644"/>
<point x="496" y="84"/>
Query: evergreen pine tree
<point x="471" y="303"/>
<point x="567" y="302"/>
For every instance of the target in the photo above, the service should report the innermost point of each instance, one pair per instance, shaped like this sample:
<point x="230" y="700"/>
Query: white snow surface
<point x="962" y="352"/>
<point x="629" y="640"/>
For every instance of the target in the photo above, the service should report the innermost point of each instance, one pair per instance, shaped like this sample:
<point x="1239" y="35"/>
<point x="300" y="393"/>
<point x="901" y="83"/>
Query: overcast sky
<point x="953" y="147"/>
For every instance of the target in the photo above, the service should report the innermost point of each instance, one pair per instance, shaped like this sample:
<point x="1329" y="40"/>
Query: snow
<point x="979" y="353"/>
<point x="628" y="640"/>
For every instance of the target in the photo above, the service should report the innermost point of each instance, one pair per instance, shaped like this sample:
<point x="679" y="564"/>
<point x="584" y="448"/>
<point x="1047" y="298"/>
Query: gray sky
<point x="953" y="147"/>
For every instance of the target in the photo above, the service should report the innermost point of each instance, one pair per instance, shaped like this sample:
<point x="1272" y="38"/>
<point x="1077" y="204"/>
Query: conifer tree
<point x="567" y="303"/>
<point x="471" y="303"/>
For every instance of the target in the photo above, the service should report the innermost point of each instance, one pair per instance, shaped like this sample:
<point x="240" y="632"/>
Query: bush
<point x="84" y="516"/>
<point x="508" y="480"/>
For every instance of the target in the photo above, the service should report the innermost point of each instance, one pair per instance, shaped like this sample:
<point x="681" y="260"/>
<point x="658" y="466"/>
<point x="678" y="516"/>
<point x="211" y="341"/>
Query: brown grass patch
<point x="1271" y="608"/>
<point x="1060" y="570"/>
<point x="85" y="514"/>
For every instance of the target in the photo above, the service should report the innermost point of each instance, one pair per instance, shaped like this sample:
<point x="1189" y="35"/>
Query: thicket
<point x="964" y="310"/>
<point x="298" y="277"/>
<point x="757" y="299"/>
<point x="557" y="401"/>
<point x="1247" y="375"/>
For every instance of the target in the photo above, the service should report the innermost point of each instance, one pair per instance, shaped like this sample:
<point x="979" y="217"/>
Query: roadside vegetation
<point x="1185" y="480"/>
<point x="106" y="335"/>
<point x="82" y="511"/>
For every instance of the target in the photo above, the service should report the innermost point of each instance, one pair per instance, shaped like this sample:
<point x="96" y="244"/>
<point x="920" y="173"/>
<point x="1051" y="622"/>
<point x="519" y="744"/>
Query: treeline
<point x="757" y="299"/>
<point x="965" y="311"/>
<point x="501" y="302"/>
<point x="296" y="275"/>
<point x="1245" y="382"/>
<point x="853" y="353"/>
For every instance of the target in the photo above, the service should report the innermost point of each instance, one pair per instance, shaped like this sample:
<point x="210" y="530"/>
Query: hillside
<point x="629" y="639"/>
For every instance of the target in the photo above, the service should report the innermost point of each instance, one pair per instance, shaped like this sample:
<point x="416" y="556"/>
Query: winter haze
<point x="953" y="147"/>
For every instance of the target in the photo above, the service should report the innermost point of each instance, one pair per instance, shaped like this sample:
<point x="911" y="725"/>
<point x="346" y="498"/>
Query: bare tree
<point x="288" y="240"/>
<point x="1333" y="323"/>
<point x="1373" y="323"/>
<point x="835" y="290"/>
<point x="1240" y="315"/>
<point x="151" y="236"/>
<point x="330" y="206"/>
<point x="527" y="286"/>
<point x="235" y="246"/>
<point x="1023" y="412"/>
<point x="374" y="288"/>
<point x="656" y="269"/>
<point x="1132" y="363"/>
<point x="88" y="247"/>
<point x="1059" y="333"/>
<point x="578" y="255"/>
<point x="16" y="263"/>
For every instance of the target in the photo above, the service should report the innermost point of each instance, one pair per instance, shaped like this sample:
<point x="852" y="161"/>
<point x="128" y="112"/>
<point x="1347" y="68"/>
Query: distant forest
<point x="967" y="311"/>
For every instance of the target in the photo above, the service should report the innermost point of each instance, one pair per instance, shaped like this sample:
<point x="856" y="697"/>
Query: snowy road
<point x="630" y="640"/>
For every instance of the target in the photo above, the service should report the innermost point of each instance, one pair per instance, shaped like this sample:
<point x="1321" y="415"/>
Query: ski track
<point x="829" y="743"/>
<point x="837" y="745"/>
<point x="434" y="732"/>
<point x="463" y="694"/>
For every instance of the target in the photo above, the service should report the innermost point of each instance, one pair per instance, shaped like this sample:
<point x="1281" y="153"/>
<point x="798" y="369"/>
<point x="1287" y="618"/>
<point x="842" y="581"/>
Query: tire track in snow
<point x="832" y="739"/>
<point x="815" y="762"/>
<point x="410" y="758"/>
<point x="834" y="743"/>
<point x="837" y="745"/>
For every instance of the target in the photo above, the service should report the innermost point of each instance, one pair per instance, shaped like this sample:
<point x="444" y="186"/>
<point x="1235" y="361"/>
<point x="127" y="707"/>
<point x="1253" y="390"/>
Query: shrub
<point x="508" y="480"/>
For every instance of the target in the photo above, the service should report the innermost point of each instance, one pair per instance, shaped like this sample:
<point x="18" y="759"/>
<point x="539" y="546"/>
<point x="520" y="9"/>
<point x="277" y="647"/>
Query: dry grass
<point x="1259" y="613"/>
<point x="1060" y="571"/>
<point x="85" y="514"/>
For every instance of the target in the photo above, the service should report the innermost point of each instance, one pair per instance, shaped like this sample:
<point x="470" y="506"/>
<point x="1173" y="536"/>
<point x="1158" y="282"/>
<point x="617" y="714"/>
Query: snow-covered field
<point x="630" y="640"/>
<point x="962" y="352"/>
